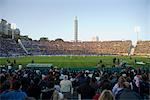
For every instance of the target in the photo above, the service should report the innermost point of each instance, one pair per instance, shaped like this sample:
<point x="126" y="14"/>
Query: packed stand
<point x="142" y="48"/>
<point x="31" y="46"/>
<point x="9" y="47"/>
<point x="85" y="48"/>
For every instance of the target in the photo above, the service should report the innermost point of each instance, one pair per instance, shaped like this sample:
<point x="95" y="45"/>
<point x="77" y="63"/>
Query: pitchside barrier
<point x="44" y="68"/>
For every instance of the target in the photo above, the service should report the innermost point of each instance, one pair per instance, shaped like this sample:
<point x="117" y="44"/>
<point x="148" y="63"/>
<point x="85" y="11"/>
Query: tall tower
<point x="76" y="29"/>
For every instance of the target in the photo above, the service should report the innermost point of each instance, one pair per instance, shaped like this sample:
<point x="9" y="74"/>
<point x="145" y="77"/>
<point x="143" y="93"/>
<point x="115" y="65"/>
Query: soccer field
<point x="76" y="61"/>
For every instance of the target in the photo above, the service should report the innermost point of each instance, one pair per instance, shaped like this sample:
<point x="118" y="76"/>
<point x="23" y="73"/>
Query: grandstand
<point x="32" y="47"/>
<point x="10" y="47"/>
<point x="87" y="48"/>
<point x="142" y="48"/>
<point x="66" y="48"/>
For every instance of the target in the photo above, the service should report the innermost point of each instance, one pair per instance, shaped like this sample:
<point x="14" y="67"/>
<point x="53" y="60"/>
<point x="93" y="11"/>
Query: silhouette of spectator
<point x="32" y="61"/>
<point x="106" y="95"/>
<point x="15" y="93"/>
<point x="86" y="91"/>
<point x="127" y="93"/>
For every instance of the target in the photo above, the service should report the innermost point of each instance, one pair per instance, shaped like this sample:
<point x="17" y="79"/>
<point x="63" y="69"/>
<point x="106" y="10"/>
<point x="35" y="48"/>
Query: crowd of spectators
<point x="142" y="48"/>
<point x="31" y="46"/>
<point x="62" y="84"/>
<point x="86" y="48"/>
<point x="9" y="47"/>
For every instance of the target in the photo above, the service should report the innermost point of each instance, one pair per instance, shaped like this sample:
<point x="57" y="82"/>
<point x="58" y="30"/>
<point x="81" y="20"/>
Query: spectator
<point x="118" y="86"/>
<point x="104" y="85"/>
<point x="144" y="87"/>
<point x="2" y="81"/>
<point x="136" y="82"/>
<point x="127" y="93"/>
<point x="66" y="86"/>
<point x="15" y="93"/>
<point x="57" y="95"/>
<point x="85" y="90"/>
<point x="5" y="87"/>
<point x="106" y="95"/>
<point x="34" y="89"/>
<point x="48" y="92"/>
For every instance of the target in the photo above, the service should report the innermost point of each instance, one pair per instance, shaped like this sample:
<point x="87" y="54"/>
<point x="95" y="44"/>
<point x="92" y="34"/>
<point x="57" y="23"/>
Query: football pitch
<point x="77" y="61"/>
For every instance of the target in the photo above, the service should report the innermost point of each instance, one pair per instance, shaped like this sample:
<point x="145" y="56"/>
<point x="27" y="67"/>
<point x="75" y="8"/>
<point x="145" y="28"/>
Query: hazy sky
<point x="108" y="19"/>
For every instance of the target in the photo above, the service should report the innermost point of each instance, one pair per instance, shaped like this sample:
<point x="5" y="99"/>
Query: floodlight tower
<point x="76" y="29"/>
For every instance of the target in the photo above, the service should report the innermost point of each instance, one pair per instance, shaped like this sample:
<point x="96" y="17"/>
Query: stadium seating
<point x="31" y="46"/>
<point x="142" y="48"/>
<point x="86" y="48"/>
<point x="9" y="47"/>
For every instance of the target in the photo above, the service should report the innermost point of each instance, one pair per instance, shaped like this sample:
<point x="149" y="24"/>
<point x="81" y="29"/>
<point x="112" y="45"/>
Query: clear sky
<point x="108" y="19"/>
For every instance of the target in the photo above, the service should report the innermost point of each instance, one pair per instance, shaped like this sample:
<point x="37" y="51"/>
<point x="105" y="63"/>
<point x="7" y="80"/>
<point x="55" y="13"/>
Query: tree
<point x="43" y="39"/>
<point x="59" y="39"/>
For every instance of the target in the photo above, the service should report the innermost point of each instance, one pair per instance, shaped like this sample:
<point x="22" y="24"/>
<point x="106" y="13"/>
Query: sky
<point x="107" y="19"/>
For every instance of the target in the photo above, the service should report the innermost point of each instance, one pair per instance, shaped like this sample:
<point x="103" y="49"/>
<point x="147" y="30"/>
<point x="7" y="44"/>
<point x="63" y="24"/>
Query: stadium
<point x="58" y="69"/>
<point x="60" y="53"/>
<point x="20" y="52"/>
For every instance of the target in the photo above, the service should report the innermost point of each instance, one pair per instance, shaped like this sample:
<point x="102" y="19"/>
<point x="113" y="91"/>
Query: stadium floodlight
<point x="13" y="27"/>
<point x="137" y="30"/>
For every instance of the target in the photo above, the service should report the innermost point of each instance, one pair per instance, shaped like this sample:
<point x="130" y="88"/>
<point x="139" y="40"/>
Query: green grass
<point x="74" y="61"/>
